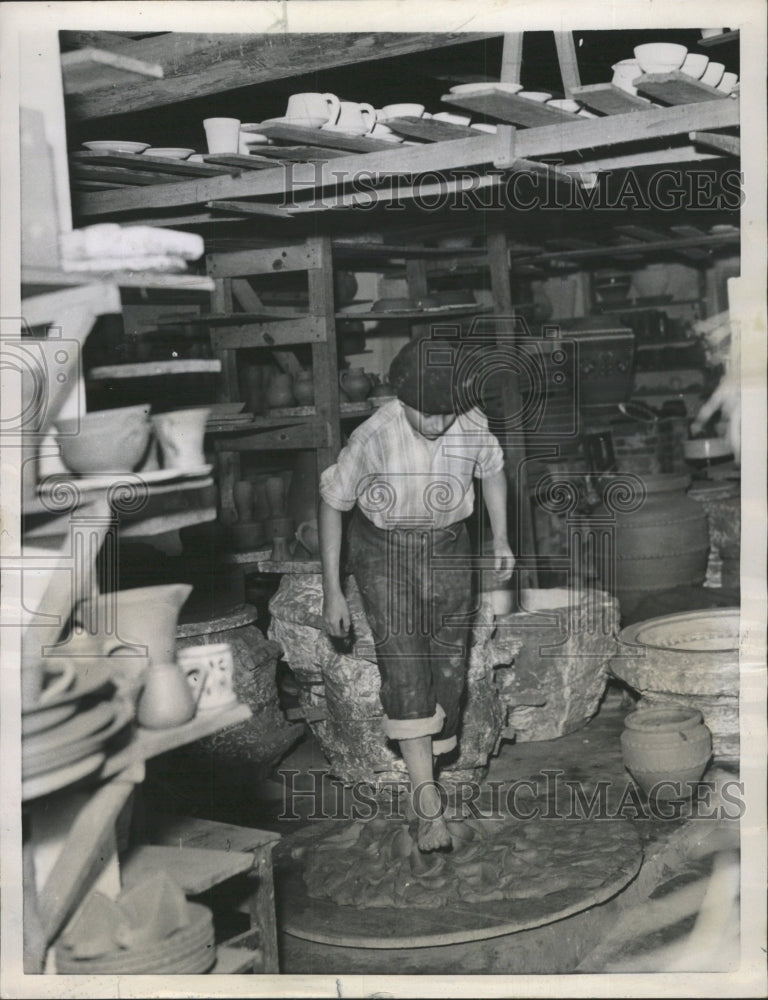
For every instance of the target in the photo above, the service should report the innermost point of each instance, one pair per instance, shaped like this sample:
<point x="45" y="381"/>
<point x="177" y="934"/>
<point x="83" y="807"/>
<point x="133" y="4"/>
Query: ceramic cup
<point x="222" y="134"/>
<point x="728" y="82"/>
<point x="451" y="118"/>
<point x="713" y="74"/>
<point x="624" y="73"/>
<point x="181" y="434"/>
<point x="694" y="64"/>
<point x="248" y="139"/>
<point x="312" y="109"/>
<point x="401" y="111"/>
<point x="352" y="118"/>
<point x="209" y="673"/>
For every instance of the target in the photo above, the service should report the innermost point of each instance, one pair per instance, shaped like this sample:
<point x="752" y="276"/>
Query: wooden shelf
<point x="233" y="319"/>
<point x="726" y="36"/>
<point x="298" y="154"/>
<point x="194" y="869"/>
<point x="34" y="279"/>
<point x="322" y="137"/>
<point x="422" y="315"/>
<point x="609" y="99"/>
<point x="385" y="251"/>
<point x="147" y="743"/>
<point x="147" y="369"/>
<point x="677" y="88"/>
<point x="94" y="69"/>
<point x="142" y="162"/>
<point x="429" y="130"/>
<point x="511" y="108"/>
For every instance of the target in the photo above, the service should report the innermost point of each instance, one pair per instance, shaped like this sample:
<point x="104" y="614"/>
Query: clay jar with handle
<point x="280" y="391"/>
<point x="166" y="700"/>
<point x="307" y="535"/>
<point x="355" y="383"/>
<point x="304" y="388"/>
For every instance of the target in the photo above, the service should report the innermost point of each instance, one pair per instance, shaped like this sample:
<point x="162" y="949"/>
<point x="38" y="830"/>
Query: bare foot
<point x="434" y="835"/>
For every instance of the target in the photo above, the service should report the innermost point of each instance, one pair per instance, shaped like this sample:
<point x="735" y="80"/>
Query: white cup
<point x="209" y="672"/>
<point x="222" y="134"/>
<point x="181" y="434"/>
<point x="624" y="73"/>
<point x="312" y="110"/>
<point x="352" y="118"/>
<point x="452" y="119"/>
<point x="728" y="82"/>
<point x="402" y="111"/>
<point x="383" y="132"/>
<point x="248" y="139"/>
<point x="713" y="74"/>
<point x="694" y="65"/>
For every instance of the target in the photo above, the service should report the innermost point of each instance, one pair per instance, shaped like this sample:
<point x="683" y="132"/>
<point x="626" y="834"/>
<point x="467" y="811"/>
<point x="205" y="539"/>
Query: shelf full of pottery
<point x="114" y="690"/>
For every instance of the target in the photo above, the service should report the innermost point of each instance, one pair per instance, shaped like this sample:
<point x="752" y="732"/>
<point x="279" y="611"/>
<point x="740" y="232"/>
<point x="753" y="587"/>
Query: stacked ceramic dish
<point x="667" y="57"/>
<point x="119" y="146"/>
<point x="150" y="928"/>
<point x="65" y="737"/>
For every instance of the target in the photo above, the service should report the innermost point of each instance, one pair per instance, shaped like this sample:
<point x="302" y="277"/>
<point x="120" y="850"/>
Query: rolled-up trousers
<point x="415" y="585"/>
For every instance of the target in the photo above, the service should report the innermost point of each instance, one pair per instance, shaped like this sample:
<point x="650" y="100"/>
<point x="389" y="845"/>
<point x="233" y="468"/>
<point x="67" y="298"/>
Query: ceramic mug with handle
<point x="353" y="118"/>
<point x="312" y="110"/>
<point x="43" y="681"/>
<point x="209" y="671"/>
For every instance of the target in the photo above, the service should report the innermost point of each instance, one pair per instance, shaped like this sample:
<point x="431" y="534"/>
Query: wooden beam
<point x="722" y="239"/>
<point x="569" y="65"/>
<point x="195" y="65"/>
<point x="716" y="140"/>
<point x="511" y="57"/>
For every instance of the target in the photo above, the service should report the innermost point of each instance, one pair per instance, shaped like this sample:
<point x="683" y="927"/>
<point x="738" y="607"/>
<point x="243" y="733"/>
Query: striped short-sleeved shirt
<point x="399" y="478"/>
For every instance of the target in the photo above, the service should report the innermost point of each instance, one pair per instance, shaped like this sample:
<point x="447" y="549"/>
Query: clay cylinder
<point x="667" y="744"/>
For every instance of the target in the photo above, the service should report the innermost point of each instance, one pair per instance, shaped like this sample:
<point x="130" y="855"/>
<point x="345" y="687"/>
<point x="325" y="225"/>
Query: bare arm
<point x="335" y="608"/>
<point x="495" y="497"/>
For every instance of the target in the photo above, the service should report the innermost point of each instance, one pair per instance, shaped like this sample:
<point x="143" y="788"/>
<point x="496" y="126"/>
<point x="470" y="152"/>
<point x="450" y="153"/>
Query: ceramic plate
<point x="45" y="718"/>
<point x="89" y="679"/>
<point x="169" y="152"/>
<point x="81" y="724"/>
<point x="52" y="781"/>
<point x="61" y="756"/>
<point x="116" y="146"/>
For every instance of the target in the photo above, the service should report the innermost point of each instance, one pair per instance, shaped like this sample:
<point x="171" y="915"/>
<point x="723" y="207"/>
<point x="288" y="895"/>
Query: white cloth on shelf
<point x="110" y="240"/>
<point x="163" y="263"/>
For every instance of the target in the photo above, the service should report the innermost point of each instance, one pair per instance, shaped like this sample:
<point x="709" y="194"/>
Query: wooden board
<point x="239" y="162"/>
<point x="321" y="137"/>
<point x="33" y="278"/>
<point x="190" y="831"/>
<point x="232" y="319"/>
<point x="300" y="154"/>
<point x="430" y="130"/>
<point x="139" y="162"/>
<point x="677" y="88"/>
<point x="194" y="869"/>
<point x="609" y="99"/>
<point x="91" y="69"/>
<point x="512" y="108"/>
<point x="425" y="315"/>
<point x="150" y="368"/>
<point x="721" y="39"/>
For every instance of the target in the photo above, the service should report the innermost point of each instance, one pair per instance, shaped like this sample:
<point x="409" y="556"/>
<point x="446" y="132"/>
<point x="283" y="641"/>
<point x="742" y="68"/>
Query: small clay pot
<point x="304" y="388"/>
<point x="280" y="391"/>
<point x="666" y="744"/>
<point x="356" y="384"/>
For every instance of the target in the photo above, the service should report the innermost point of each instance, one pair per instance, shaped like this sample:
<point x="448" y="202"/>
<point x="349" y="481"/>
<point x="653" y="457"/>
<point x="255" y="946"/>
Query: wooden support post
<point x="416" y="277"/>
<point x="511" y="57"/>
<point x="324" y="355"/>
<point x="262" y="907"/>
<point x="521" y="524"/>
<point x="228" y="462"/>
<point x="569" y="66"/>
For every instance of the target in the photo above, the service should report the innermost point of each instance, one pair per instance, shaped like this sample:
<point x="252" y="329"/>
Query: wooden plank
<point x="249" y="208"/>
<point x="569" y="65"/>
<point x="233" y="961"/>
<point x="609" y="99"/>
<point x="231" y="318"/>
<point x="506" y="107"/>
<point x="286" y="257"/>
<point x="239" y="162"/>
<point x="308" y="330"/>
<point x="117" y="175"/>
<point x="147" y="743"/>
<point x="145" y="369"/>
<point x="195" y="870"/>
<point x="716" y="140"/>
<point x="300" y="154"/>
<point x="91" y="69"/>
<point x="511" y="57"/>
<point x="721" y="39"/>
<point x="323" y="137"/>
<point x="640" y="247"/>
<point x="441" y="314"/>
<point x="384" y="251"/>
<point x="157" y="164"/>
<point x="44" y="277"/>
<point x="191" y="831"/>
<point x="196" y="64"/>
<point x="677" y="88"/>
<point x="430" y="130"/>
<point x="312" y="435"/>
<point x="261" y="904"/>
<point x="324" y="356"/>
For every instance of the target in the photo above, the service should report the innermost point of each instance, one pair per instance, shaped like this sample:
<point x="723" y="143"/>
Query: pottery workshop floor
<point x="647" y="926"/>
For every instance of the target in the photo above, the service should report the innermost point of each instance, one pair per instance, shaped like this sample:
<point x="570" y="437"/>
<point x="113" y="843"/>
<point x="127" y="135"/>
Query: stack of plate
<point x="189" y="950"/>
<point x="64" y="740"/>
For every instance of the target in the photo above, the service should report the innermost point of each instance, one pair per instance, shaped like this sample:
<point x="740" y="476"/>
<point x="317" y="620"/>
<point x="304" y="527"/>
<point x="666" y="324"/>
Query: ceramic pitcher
<point x="355" y="383"/>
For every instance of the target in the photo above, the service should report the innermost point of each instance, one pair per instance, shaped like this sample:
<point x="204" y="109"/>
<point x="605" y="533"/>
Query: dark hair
<point x="424" y="376"/>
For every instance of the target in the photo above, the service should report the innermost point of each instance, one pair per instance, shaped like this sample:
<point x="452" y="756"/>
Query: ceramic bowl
<point x="115" y="146"/>
<point x="713" y="74"/>
<point x="104" y="418"/>
<point x="105" y="446"/>
<point x="694" y="65"/>
<point x="540" y="96"/>
<point x="660" y="57"/>
<point x="564" y="105"/>
<point x="169" y="152"/>
<point x="728" y="82"/>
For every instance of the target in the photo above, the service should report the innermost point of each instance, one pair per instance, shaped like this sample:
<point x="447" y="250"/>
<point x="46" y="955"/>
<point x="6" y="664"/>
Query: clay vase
<point x="355" y="383"/>
<point x="280" y="391"/>
<point x="243" y="493"/>
<point x="664" y="543"/>
<point x="344" y="287"/>
<point x="275" y="490"/>
<point x="166" y="700"/>
<point x="304" y="388"/>
<point x="667" y="744"/>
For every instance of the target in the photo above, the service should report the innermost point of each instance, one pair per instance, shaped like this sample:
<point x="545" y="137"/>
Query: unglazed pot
<point x="280" y="391"/>
<point x="665" y="748"/>
<point x="166" y="700"/>
<point x="304" y="388"/>
<point x="356" y="384"/>
<point x="181" y="434"/>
